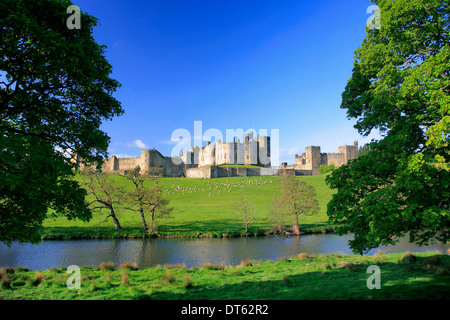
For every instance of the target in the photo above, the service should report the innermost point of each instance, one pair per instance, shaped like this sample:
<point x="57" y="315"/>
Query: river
<point x="190" y="252"/>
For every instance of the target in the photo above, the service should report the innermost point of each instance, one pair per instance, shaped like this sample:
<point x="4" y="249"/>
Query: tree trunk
<point x="296" y="226"/>
<point x="144" y="224"/>
<point x="152" y="221"/>
<point x="115" y="220"/>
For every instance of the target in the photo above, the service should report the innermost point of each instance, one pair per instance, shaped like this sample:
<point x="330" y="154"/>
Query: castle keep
<point x="253" y="151"/>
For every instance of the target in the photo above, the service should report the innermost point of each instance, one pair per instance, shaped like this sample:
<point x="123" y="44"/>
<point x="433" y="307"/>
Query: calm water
<point x="191" y="252"/>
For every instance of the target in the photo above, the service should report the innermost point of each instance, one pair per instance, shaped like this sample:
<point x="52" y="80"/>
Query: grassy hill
<point x="202" y="207"/>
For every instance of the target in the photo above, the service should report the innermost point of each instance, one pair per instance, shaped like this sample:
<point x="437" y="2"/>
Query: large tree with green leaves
<point x="297" y="198"/>
<point x="55" y="91"/>
<point x="400" y="86"/>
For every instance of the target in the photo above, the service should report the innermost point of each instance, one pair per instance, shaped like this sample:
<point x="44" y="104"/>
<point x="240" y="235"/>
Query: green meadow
<point x="332" y="277"/>
<point x="202" y="207"/>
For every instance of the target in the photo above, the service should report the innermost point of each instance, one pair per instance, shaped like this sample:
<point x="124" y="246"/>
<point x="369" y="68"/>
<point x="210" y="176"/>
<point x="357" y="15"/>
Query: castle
<point x="211" y="160"/>
<point x="308" y="163"/>
<point x="253" y="151"/>
<point x="148" y="159"/>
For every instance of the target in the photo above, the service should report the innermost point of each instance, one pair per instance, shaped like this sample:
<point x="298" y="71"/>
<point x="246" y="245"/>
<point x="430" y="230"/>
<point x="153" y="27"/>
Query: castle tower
<point x="263" y="151"/>
<point x="239" y="152"/>
<point x="114" y="163"/>
<point x="145" y="160"/>
<point x="195" y="152"/>
<point x="313" y="159"/>
<point x="250" y="149"/>
<point x="349" y="152"/>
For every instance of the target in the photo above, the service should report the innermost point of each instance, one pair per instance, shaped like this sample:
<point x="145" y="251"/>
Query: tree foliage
<point x="363" y="150"/>
<point x="325" y="168"/>
<point x="147" y="200"/>
<point x="277" y="217"/>
<point x="104" y="195"/>
<point x="55" y="91"/>
<point x="297" y="198"/>
<point x="245" y="211"/>
<point x="400" y="86"/>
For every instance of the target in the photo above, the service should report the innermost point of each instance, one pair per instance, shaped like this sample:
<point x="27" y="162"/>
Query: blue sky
<point x="236" y="64"/>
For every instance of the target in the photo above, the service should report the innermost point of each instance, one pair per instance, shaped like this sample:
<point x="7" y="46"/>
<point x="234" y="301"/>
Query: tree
<point x="246" y="211"/>
<point x="324" y="168"/>
<point x="400" y="86"/>
<point x="147" y="200"/>
<point x="277" y="216"/>
<point x="55" y="91"/>
<point x="363" y="150"/>
<point x="297" y="198"/>
<point x="105" y="195"/>
<point x="158" y="206"/>
<point x="138" y="195"/>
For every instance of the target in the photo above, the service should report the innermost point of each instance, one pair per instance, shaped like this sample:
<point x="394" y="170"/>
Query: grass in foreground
<point x="335" y="277"/>
<point x="201" y="207"/>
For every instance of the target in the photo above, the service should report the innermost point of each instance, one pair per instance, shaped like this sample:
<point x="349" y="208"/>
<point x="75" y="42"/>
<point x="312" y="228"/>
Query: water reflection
<point x="191" y="252"/>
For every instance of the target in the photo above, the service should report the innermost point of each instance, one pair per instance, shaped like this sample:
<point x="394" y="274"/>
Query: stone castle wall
<point x="147" y="160"/>
<point x="208" y="172"/>
<point x="338" y="159"/>
<point x="312" y="158"/>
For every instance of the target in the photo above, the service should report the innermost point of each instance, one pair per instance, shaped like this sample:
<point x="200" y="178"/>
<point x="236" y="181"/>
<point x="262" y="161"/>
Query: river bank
<point x="70" y="233"/>
<point x="424" y="276"/>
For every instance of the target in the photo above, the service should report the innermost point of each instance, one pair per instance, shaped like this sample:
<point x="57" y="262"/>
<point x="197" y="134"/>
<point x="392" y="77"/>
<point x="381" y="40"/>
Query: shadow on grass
<point x="398" y="282"/>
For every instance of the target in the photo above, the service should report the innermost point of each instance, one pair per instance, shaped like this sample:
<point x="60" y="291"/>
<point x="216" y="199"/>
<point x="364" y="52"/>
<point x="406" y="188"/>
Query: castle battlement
<point x="312" y="158"/>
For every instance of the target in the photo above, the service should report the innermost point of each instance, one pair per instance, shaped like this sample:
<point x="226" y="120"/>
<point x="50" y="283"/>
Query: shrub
<point x="379" y="254"/>
<point x="129" y="266"/>
<point x="246" y="263"/>
<point x="327" y="266"/>
<point x="324" y="168"/>
<point x="125" y="280"/>
<point x="302" y="255"/>
<point x="107" y="266"/>
<point x="22" y="269"/>
<point x="37" y="279"/>
<point x="209" y="266"/>
<point x="283" y="260"/>
<point x="168" y="278"/>
<point x="5" y="281"/>
<point x="433" y="261"/>
<point x="187" y="282"/>
<point x="408" y="258"/>
<point x="348" y="265"/>
<point x="7" y="270"/>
